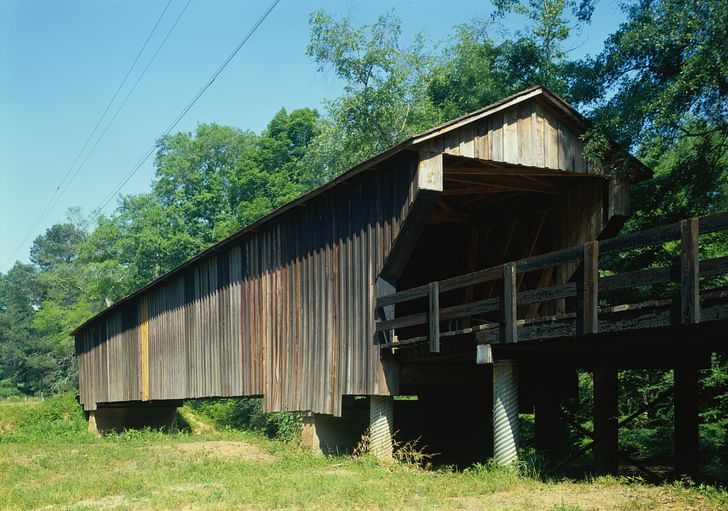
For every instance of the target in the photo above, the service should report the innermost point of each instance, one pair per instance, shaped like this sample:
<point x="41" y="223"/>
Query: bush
<point x="247" y="414"/>
<point x="8" y="389"/>
<point x="59" y="416"/>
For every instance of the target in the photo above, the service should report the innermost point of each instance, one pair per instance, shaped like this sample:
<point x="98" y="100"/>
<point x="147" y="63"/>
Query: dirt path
<point x="225" y="449"/>
<point x="197" y="425"/>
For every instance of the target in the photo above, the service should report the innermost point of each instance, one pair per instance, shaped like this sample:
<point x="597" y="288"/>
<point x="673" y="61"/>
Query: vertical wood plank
<point x="496" y="137"/>
<point x="537" y="136"/>
<point x="510" y="135"/>
<point x="551" y="147"/>
<point x="525" y="146"/>
<point x="467" y="142"/>
<point x="144" y="347"/>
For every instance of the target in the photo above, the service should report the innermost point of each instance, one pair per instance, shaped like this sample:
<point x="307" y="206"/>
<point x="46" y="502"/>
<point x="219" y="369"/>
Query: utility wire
<point x="126" y="98"/>
<point x="55" y="194"/>
<point x="97" y="211"/>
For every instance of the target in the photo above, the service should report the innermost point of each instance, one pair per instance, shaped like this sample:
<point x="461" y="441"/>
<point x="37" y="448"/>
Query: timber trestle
<point x="680" y="318"/>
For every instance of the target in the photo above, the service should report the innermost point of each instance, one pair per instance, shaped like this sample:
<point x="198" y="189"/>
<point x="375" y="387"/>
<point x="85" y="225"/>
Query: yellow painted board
<point x="144" y="340"/>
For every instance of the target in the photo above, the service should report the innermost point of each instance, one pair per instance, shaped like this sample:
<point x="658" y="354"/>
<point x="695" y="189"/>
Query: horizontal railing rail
<point x="585" y="287"/>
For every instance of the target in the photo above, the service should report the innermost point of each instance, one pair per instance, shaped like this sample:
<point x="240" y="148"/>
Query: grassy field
<point x="47" y="461"/>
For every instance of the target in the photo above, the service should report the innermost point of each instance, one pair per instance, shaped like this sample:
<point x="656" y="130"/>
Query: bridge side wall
<point x="286" y="312"/>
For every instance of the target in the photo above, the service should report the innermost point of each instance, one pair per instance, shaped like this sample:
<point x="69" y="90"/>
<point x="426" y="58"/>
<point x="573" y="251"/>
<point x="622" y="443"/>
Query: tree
<point x="57" y="246"/>
<point x="385" y="90"/>
<point x="551" y="24"/>
<point x="22" y="361"/>
<point x="476" y="71"/>
<point x="659" y="89"/>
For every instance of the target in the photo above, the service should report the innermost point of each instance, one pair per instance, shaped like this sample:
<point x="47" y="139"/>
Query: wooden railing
<point x="585" y="288"/>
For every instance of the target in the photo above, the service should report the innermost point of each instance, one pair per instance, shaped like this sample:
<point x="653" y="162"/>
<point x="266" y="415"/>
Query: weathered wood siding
<point x="526" y="134"/>
<point x="285" y="312"/>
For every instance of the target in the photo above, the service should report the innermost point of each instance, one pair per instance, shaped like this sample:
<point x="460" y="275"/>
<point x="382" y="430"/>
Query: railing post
<point x="434" y="317"/>
<point x="686" y="375"/>
<point x="689" y="272"/>
<point x="510" y="307"/>
<point x="589" y="292"/>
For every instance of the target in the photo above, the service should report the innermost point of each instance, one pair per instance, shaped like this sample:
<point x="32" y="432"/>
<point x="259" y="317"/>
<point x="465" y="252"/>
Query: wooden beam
<point x="540" y="220"/>
<point x="548" y="411"/>
<point x="430" y="172"/>
<point x="386" y="287"/>
<point x="404" y="244"/>
<point x="451" y="211"/>
<point x="605" y="421"/>
<point x="544" y="278"/>
<point x="689" y="272"/>
<point x="686" y="421"/>
<point x="617" y="211"/>
<point x="469" y="190"/>
<point x="512" y="184"/>
<point x="589" y="290"/>
<point x="434" y="317"/>
<point x="510" y="305"/>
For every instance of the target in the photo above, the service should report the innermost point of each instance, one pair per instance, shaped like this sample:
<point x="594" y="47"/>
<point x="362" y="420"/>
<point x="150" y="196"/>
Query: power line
<point x="126" y="98"/>
<point x="55" y="193"/>
<point x="97" y="211"/>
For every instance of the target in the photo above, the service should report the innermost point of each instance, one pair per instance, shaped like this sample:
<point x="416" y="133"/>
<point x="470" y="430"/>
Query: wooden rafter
<point x="513" y="186"/>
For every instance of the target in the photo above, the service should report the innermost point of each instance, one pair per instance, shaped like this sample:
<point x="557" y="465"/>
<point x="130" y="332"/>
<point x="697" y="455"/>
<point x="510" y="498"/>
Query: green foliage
<point x="476" y="71"/>
<point x="57" y="418"/>
<point x="661" y="77"/>
<point x="550" y="25"/>
<point x="385" y="84"/>
<point x="659" y="88"/>
<point x="247" y="414"/>
<point x="59" y="245"/>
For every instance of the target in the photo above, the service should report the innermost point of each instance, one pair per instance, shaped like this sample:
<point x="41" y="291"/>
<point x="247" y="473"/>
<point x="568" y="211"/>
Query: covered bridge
<point x="287" y="308"/>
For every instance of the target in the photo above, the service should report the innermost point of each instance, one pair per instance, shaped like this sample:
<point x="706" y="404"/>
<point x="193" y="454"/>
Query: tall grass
<point x="59" y="417"/>
<point x="48" y="460"/>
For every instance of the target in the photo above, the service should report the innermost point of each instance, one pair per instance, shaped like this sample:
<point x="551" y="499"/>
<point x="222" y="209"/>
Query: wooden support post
<point x="434" y="317"/>
<point x="605" y="421"/>
<point x="510" y="307"/>
<point x="689" y="268"/>
<point x="686" y="421"/>
<point x="686" y="377"/>
<point x="589" y="292"/>
<point x="505" y="411"/>
<point x="548" y="417"/>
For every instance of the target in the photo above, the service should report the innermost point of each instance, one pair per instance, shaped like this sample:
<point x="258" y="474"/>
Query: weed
<point x="54" y="463"/>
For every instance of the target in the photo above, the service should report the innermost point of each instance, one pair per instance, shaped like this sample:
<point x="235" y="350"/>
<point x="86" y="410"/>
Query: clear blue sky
<point x="60" y="63"/>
